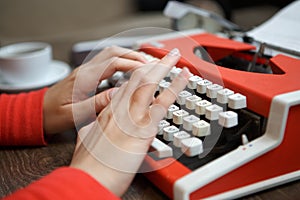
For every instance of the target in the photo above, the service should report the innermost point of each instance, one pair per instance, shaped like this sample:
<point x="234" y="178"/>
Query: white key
<point x="174" y="72"/>
<point x="157" y="44"/>
<point x="200" y="106"/>
<point x="161" y="82"/>
<point x="212" y="112"/>
<point x="170" y="111"/>
<point x="211" y="90"/>
<point x="182" y="96"/>
<point x="193" y="82"/>
<point x="201" y="86"/>
<point x="201" y="128"/>
<point x="228" y="119"/>
<point x="191" y="146"/>
<point x="163" y="85"/>
<point x="161" y="150"/>
<point x="188" y="122"/>
<point x="222" y="95"/>
<point x="150" y="58"/>
<point x="162" y="124"/>
<point x="237" y="101"/>
<point x="169" y="132"/>
<point x="180" y="136"/>
<point x="179" y="115"/>
<point x="117" y="78"/>
<point x="190" y="102"/>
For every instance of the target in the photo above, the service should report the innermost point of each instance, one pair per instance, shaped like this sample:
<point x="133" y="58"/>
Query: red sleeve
<point x="64" y="183"/>
<point x="21" y="118"/>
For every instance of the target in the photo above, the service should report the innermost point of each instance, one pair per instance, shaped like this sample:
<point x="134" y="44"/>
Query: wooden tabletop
<point x="20" y="166"/>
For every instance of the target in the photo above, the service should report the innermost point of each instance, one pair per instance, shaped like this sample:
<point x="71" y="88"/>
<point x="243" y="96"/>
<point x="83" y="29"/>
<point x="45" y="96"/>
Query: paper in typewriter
<point x="282" y="30"/>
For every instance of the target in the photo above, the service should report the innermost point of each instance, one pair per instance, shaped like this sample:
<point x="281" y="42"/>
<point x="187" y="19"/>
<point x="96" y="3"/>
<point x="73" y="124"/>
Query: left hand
<point x="70" y="102"/>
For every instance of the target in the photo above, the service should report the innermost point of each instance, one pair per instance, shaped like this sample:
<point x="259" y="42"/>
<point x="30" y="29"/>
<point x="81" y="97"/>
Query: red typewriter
<point x="246" y="140"/>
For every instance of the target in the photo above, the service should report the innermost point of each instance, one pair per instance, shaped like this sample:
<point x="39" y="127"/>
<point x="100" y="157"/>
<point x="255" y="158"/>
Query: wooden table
<point x="21" y="165"/>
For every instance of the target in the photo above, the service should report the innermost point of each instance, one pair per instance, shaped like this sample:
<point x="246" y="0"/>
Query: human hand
<point x="112" y="148"/>
<point x="76" y="93"/>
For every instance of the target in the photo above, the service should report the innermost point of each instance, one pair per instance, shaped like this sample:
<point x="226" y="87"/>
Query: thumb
<point x="103" y="99"/>
<point x="85" y="111"/>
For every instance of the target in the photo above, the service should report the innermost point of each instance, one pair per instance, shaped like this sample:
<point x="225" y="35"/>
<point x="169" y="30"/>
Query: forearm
<point x="21" y="119"/>
<point x="64" y="183"/>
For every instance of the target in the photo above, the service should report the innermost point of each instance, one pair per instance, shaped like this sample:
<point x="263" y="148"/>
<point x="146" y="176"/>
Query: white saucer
<point x="58" y="71"/>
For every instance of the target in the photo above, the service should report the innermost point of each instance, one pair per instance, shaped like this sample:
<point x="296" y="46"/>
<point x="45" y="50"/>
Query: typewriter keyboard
<point x="206" y="122"/>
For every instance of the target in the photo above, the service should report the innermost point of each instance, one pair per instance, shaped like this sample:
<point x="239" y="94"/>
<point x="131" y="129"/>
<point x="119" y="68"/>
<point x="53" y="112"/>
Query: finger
<point x="135" y="56"/>
<point x="124" y="53"/>
<point x="115" y="64"/>
<point x="89" y="76"/>
<point x="168" y="96"/>
<point x="148" y="83"/>
<point x="134" y="83"/>
<point x="164" y="66"/>
<point x="103" y="99"/>
<point x="87" y="110"/>
<point x="118" y="97"/>
<point x="157" y="112"/>
<point x="108" y="61"/>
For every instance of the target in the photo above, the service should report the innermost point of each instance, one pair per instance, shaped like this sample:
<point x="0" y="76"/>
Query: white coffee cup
<point x="24" y="63"/>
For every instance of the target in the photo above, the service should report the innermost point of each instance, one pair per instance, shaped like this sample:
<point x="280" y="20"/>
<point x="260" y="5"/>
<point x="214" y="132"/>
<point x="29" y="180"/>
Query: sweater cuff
<point x="21" y="119"/>
<point x="65" y="183"/>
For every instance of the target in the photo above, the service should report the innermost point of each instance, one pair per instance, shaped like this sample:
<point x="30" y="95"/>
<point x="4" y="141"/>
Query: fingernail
<point x="186" y="73"/>
<point x="174" y="52"/>
<point x="112" y="92"/>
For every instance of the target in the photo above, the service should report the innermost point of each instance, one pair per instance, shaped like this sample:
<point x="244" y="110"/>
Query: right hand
<point x="112" y="148"/>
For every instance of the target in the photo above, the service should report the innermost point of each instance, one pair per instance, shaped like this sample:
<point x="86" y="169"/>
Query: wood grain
<point x="19" y="166"/>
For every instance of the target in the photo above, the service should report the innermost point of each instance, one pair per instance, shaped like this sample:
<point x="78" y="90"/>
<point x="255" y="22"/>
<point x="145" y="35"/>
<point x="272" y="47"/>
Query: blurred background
<point x="63" y="23"/>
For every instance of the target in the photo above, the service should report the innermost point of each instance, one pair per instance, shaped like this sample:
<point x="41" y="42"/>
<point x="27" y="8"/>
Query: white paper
<point x="282" y="30"/>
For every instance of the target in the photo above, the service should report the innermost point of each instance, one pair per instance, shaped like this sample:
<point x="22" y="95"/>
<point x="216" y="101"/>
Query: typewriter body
<point x="270" y="155"/>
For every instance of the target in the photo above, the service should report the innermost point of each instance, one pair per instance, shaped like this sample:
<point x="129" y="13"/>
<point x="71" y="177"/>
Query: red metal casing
<point x="258" y="88"/>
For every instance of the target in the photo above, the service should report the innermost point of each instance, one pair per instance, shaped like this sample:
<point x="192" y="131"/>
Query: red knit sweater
<point x="21" y="123"/>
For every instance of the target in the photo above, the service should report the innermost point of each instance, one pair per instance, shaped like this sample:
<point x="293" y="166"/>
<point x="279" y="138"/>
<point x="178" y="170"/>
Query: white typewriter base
<point x="257" y="187"/>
